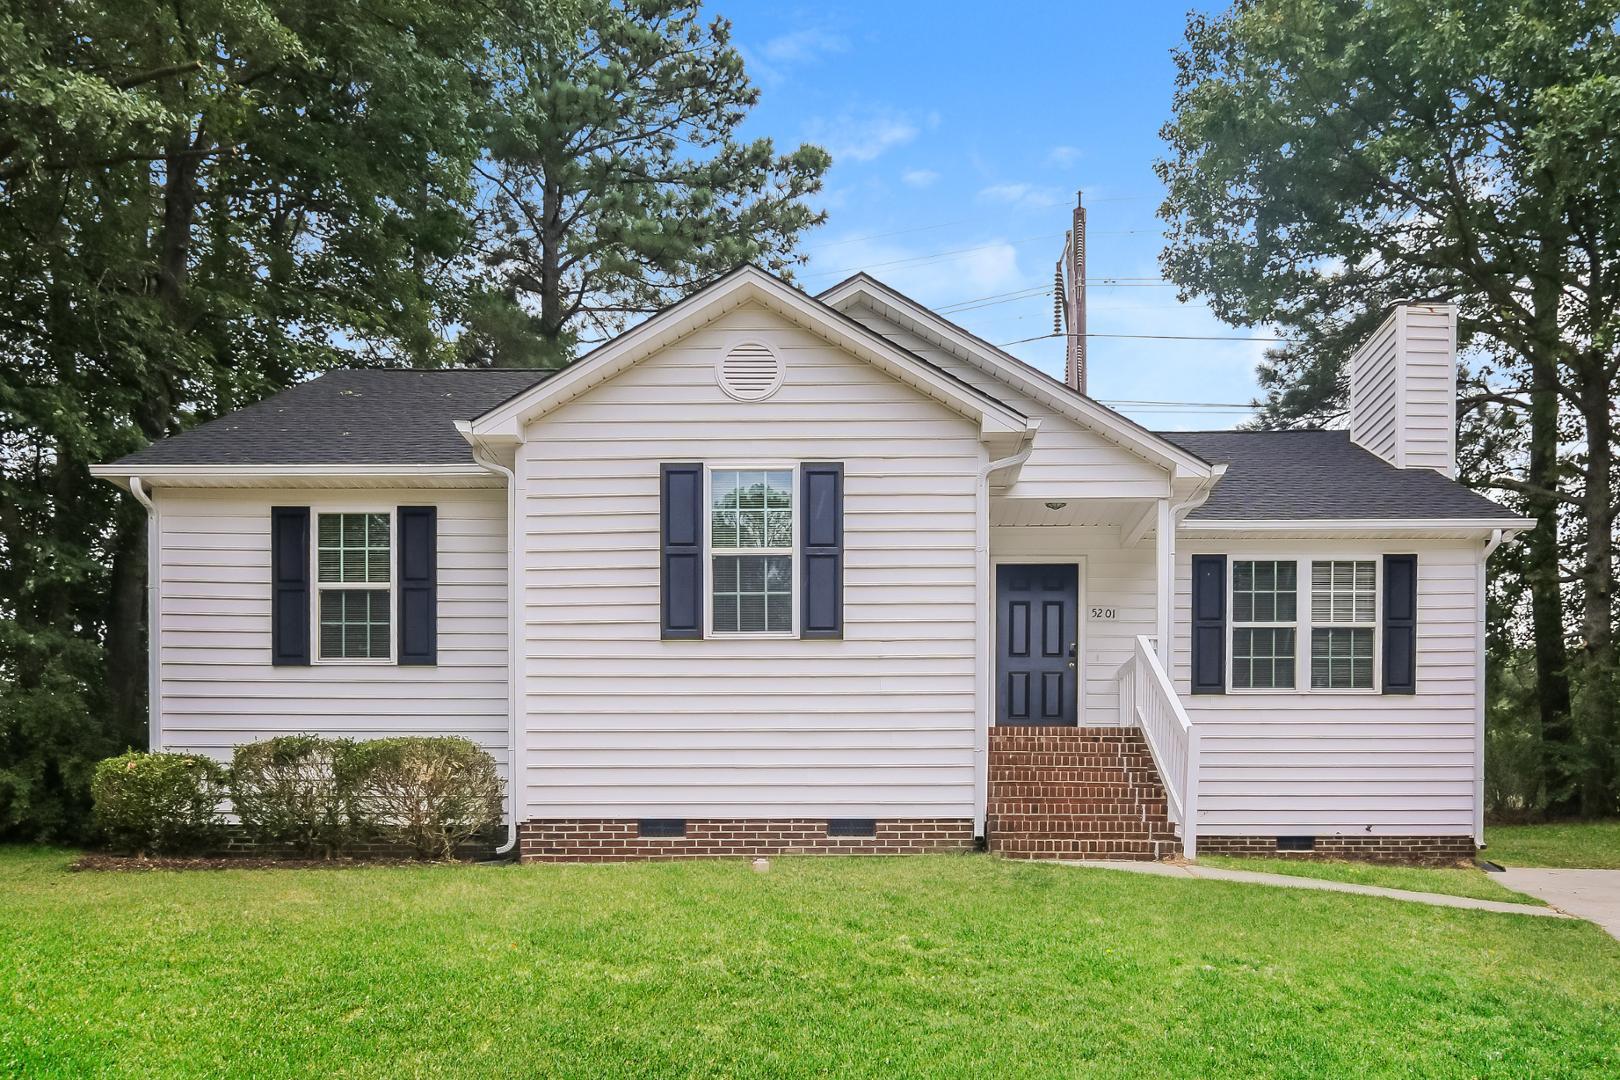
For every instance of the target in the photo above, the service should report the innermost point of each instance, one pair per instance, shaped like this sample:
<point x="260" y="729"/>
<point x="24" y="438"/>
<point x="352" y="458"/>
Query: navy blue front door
<point x="1037" y="643"/>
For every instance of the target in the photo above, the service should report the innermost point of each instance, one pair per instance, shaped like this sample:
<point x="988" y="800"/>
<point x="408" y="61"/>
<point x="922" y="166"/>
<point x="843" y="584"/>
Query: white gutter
<point x="513" y="607"/>
<point x="154" y="689"/>
<point x="981" y="627"/>
<point x="1497" y="536"/>
<point x="1382" y="526"/>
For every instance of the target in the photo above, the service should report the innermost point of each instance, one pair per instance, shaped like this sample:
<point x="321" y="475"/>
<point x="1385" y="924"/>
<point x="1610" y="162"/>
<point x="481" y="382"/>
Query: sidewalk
<point x="1188" y="870"/>
<point x="1589" y="894"/>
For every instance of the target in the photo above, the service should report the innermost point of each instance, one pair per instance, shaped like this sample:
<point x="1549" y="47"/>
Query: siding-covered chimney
<point x="1403" y="388"/>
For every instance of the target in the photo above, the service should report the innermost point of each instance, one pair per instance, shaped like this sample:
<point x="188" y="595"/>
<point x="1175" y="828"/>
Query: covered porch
<point x="1089" y="752"/>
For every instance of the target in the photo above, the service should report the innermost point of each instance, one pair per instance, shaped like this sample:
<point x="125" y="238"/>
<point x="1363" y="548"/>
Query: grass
<point x="924" y="966"/>
<point x="1589" y="844"/>
<point x="1451" y="881"/>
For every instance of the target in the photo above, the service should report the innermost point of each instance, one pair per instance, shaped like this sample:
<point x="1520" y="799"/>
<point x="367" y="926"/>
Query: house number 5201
<point x="1106" y="613"/>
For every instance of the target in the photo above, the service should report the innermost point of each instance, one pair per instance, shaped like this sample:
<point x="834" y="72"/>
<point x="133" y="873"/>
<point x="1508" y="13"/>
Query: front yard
<point x="942" y="966"/>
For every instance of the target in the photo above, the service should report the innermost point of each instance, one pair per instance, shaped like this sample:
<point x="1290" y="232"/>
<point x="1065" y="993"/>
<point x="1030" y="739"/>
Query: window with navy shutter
<point x="821" y="553"/>
<point x="1400" y="624"/>
<point x="1209" y="624"/>
<point x="289" y="585"/>
<point x="418" y="528"/>
<point x="681" y="560"/>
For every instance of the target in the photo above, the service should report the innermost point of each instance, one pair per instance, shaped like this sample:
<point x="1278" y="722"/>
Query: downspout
<point x="514" y="750"/>
<point x="154" y="691"/>
<point x="981" y="626"/>
<point x="1497" y="536"/>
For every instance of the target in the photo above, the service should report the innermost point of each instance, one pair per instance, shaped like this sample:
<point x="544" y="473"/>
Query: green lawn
<point x="1590" y="844"/>
<point x="1452" y="881"/>
<point x="926" y="966"/>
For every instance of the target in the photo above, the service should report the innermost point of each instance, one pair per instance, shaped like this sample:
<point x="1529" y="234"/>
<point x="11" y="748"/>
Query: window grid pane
<point x="352" y="548"/>
<point x="1263" y="658"/>
<point x="751" y="509"/>
<point x="1343" y="592"/>
<point x="1264" y="592"/>
<point x="1342" y="659"/>
<point x="354" y="624"/>
<point x="752" y="594"/>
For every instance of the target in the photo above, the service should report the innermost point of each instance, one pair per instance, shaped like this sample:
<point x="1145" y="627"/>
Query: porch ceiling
<point x="1035" y="512"/>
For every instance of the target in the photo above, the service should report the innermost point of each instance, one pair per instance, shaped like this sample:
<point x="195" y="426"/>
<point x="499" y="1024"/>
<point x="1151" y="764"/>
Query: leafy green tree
<point x="1329" y="156"/>
<point x="200" y="203"/>
<point x="617" y="184"/>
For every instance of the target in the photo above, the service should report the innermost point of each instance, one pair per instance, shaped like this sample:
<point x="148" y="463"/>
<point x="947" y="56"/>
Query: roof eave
<point x="1147" y="444"/>
<point x="358" y="476"/>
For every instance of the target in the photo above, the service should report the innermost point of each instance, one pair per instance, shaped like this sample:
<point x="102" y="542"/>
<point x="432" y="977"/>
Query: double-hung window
<point x="1265" y="622"/>
<point x="353" y="564"/>
<point x="751" y="551"/>
<point x="1344" y="613"/>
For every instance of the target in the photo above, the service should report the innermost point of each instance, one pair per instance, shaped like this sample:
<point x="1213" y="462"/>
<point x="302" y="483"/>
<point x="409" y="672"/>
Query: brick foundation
<point x="1420" y="850"/>
<point x="603" y="840"/>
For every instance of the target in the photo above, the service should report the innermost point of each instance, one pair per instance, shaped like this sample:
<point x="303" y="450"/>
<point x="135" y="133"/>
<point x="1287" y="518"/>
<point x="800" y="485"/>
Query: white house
<point x="773" y="572"/>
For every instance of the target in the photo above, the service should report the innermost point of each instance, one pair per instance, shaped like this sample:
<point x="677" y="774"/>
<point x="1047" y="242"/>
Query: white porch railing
<point x="1147" y="700"/>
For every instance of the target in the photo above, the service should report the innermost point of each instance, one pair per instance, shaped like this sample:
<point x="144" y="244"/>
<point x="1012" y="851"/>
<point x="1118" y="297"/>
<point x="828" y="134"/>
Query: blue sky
<point x="960" y="133"/>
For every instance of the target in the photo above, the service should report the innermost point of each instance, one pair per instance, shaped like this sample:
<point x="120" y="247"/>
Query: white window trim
<point x="1297" y="625"/>
<point x="1377" y="625"/>
<point x="749" y="465"/>
<point x="1303" y="624"/>
<point x="316" y="585"/>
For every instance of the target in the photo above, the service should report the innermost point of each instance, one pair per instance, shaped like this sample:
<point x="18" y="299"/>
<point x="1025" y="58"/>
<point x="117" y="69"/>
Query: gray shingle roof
<point x="1316" y="475"/>
<point x="352" y="417"/>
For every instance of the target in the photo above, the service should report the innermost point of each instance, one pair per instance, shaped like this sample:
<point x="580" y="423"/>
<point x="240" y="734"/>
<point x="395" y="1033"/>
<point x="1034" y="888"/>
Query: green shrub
<point x="297" y="790"/>
<point x="159" y="802"/>
<point x="427" y="794"/>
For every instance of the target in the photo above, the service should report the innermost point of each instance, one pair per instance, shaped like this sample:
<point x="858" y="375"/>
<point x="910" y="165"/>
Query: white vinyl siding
<point x="216" y="682"/>
<point x="1068" y="459"/>
<point x="1345" y="763"/>
<point x="620" y="723"/>
<point x="1403" y="389"/>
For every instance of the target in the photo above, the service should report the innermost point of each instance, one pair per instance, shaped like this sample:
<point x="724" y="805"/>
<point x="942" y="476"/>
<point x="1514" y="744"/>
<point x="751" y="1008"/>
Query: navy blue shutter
<point x="417" y="529"/>
<point x="681" y="528"/>
<point x="821" y="550"/>
<point x="1400" y="624"/>
<point x="289" y="585"/>
<point x="1209" y="624"/>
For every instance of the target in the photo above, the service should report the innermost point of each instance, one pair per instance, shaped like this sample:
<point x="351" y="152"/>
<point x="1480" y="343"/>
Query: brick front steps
<point x="1076" y="793"/>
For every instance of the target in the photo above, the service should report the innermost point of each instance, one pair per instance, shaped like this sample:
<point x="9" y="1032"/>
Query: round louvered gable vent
<point x="750" y="371"/>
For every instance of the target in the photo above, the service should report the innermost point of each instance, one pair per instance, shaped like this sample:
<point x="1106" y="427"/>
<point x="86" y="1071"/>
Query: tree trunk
<point x="551" y="241"/>
<point x="1598" y="713"/>
<point x="1560" y="754"/>
<point x="126" y="629"/>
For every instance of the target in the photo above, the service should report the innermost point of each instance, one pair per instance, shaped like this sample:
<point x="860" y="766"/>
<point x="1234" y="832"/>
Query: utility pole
<point x="1070" y="298"/>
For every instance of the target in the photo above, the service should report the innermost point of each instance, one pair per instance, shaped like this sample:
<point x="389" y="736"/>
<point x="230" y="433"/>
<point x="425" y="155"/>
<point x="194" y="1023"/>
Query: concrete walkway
<point x="1211" y="873"/>
<point x="1589" y="894"/>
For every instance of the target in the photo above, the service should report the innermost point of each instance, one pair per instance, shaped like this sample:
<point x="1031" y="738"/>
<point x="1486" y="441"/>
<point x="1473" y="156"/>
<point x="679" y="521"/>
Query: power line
<point x="1152" y="337"/>
<point x="938" y="255"/>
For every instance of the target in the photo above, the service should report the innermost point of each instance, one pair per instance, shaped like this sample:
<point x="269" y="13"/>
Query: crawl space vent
<point x="750" y="372"/>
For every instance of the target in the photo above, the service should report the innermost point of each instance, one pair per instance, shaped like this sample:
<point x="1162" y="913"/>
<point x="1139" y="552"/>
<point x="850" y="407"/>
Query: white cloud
<point x="862" y="135"/>
<point x="919" y="178"/>
<point x="803" y="46"/>
<point x="1023" y="195"/>
<point x="1063" y="155"/>
<point x="938" y="274"/>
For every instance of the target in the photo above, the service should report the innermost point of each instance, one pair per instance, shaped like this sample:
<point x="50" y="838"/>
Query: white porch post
<point x="1165" y="548"/>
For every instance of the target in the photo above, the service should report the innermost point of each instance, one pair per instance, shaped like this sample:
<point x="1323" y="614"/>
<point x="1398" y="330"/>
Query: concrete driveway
<point x="1587" y="894"/>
